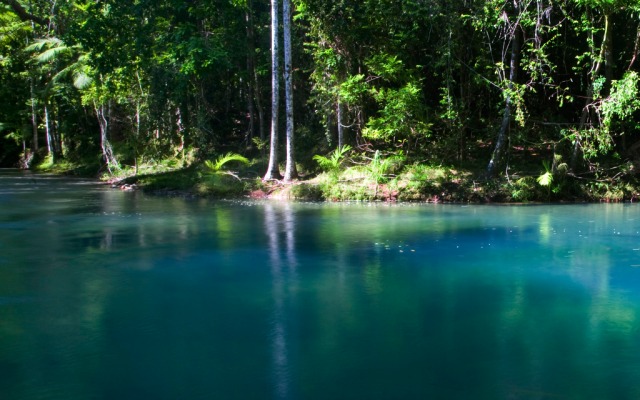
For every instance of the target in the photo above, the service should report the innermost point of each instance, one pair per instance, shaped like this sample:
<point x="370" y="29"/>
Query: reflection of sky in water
<point x="110" y="294"/>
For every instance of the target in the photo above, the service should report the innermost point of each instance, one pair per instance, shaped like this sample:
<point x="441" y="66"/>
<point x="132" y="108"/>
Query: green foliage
<point x="401" y="117"/>
<point x="181" y="179"/>
<point x="216" y="167"/>
<point x="353" y="89"/>
<point x="426" y="79"/>
<point x="307" y="191"/>
<point x="546" y="178"/>
<point x="523" y="189"/>
<point x="379" y="168"/>
<point x="221" y="185"/>
<point x="623" y="100"/>
<point x="385" y="66"/>
<point x="333" y="163"/>
<point x="260" y="144"/>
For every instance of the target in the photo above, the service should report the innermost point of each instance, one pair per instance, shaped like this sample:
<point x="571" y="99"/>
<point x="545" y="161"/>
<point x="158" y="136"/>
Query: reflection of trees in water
<point x="280" y="227"/>
<point x="121" y="222"/>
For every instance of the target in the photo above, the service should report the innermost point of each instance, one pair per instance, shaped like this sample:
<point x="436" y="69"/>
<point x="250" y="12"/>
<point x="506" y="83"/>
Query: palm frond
<point x="82" y="80"/>
<point x="216" y="166"/>
<point x="40" y="44"/>
<point x="51" y="54"/>
<point x="545" y="179"/>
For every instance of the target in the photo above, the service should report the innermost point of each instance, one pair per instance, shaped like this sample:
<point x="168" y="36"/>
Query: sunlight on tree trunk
<point x="273" y="171"/>
<point x="290" y="169"/>
<point x="340" y="125"/>
<point x="107" y="150"/>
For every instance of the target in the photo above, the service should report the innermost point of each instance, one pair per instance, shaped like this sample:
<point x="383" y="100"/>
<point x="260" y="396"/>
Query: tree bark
<point x="273" y="171"/>
<point x="290" y="172"/>
<point x="34" y="119"/>
<point x="48" y="131"/>
<point x="257" y="87"/>
<point x="340" y="126"/>
<point x="497" y="157"/>
<point x="250" y="72"/>
<point x="107" y="150"/>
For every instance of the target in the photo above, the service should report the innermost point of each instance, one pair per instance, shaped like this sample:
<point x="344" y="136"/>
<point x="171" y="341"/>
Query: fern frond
<point x="216" y="166"/>
<point x="323" y="162"/>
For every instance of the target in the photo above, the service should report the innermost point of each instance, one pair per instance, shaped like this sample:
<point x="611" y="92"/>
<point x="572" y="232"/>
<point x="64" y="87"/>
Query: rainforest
<point x="416" y="100"/>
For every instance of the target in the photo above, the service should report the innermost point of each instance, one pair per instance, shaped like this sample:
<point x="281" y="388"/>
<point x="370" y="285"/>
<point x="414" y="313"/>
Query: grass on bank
<point x="346" y="176"/>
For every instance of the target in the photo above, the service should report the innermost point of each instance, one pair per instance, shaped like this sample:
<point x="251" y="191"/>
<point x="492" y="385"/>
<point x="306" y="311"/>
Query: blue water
<point x="107" y="294"/>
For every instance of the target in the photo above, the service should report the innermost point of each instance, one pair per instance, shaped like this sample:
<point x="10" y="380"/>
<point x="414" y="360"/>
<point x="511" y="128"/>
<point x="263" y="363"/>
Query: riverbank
<point x="411" y="184"/>
<point x="367" y="182"/>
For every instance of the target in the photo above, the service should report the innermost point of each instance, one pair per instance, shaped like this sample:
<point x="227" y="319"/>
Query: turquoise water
<point x="107" y="294"/>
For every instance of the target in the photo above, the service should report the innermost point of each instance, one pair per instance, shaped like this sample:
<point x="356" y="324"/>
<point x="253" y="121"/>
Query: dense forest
<point x="517" y="99"/>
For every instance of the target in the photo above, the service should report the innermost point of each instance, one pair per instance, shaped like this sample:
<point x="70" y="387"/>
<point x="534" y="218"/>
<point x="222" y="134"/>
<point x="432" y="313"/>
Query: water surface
<point x="107" y="294"/>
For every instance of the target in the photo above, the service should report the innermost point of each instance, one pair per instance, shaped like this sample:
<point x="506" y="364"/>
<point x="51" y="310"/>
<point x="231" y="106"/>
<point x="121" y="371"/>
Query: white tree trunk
<point x="340" y="126"/>
<point x="34" y="118"/>
<point x="290" y="172"/>
<point x="273" y="171"/>
<point x="107" y="150"/>
<point x="48" y="130"/>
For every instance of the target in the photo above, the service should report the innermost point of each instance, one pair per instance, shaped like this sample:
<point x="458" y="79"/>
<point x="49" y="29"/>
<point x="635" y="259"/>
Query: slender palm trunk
<point x="273" y="171"/>
<point x="290" y="172"/>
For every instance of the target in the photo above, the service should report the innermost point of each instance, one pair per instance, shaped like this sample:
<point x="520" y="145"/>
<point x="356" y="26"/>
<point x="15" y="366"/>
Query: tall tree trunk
<point x="273" y="171"/>
<point x="250" y="72"/>
<point x="107" y="150"/>
<point x="258" y="94"/>
<point x="48" y="130"/>
<point x="290" y="172"/>
<point x="497" y="157"/>
<point x="34" y="118"/>
<point x="340" y="125"/>
<point x="55" y="132"/>
<point x="257" y="87"/>
<point x="636" y="45"/>
<point x="135" y="144"/>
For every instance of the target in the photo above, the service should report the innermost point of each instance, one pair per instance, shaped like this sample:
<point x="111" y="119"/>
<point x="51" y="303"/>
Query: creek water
<point x="106" y="294"/>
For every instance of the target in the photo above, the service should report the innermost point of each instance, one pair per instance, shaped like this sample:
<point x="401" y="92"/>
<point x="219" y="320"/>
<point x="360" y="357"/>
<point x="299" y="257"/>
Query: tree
<point x="273" y="171"/>
<point x="290" y="168"/>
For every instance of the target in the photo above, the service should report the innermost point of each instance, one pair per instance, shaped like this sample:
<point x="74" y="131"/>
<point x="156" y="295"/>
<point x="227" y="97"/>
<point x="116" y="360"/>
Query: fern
<point x="216" y="167"/>
<point x="333" y="163"/>
<point x="379" y="168"/>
